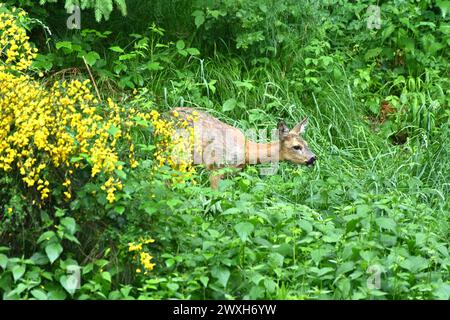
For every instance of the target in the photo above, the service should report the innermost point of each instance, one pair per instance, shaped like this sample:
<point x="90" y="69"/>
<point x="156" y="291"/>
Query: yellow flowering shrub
<point x="175" y="143"/>
<point x="16" y="52"/>
<point x="142" y="256"/>
<point x="49" y="133"/>
<point x="60" y="129"/>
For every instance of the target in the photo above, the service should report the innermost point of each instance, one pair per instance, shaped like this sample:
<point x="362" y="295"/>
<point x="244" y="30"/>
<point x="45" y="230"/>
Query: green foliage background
<point x="377" y="199"/>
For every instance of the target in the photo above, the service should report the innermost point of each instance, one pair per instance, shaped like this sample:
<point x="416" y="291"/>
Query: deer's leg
<point x="214" y="179"/>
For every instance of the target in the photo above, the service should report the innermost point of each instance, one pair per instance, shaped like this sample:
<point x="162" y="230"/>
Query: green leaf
<point x="444" y="5"/>
<point x="70" y="224"/>
<point x="173" y="286"/>
<point x="372" y="53"/>
<point x="363" y="209"/>
<point x="18" y="271"/>
<point x="117" y="49"/>
<point x="344" y="268"/>
<point x="229" y="105"/>
<point x="39" y="259"/>
<point x="244" y="229"/>
<point x="153" y="66"/>
<point x="119" y="209"/>
<point x="56" y="294"/>
<point x="414" y="264"/>
<point x="91" y="58"/>
<point x="193" y="51"/>
<point x="204" y="280"/>
<point x="48" y="235"/>
<point x="305" y="225"/>
<point x="64" y="44"/>
<point x="3" y="261"/>
<point x="222" y="275"/>
<point x="106" y="276"/>
<point x="113" y="130"/>
<point x="199" y="18"/>
<point x="442" y="292"/>
<point x="180" y="45"/>
<point x="39" y="294"/>
<point x="386" y="223"/>
<point x="53" y="251"/>
<point x="69" y="283"/>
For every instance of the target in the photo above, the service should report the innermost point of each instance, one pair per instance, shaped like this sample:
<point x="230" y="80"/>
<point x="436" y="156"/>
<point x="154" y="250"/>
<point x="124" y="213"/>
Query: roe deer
<point x="219" y="145"/>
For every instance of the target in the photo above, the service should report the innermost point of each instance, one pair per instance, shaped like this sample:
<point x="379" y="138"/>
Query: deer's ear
<point x="301" y="127"/>
<point x="282" y="129"/>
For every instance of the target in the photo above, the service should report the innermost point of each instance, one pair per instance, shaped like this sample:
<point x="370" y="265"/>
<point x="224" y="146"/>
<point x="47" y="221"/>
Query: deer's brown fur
<point x="220" y="145"/>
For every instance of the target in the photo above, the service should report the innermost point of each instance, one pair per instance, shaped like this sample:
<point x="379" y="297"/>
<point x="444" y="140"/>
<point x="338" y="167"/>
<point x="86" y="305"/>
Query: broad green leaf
<point x="180" y="45"/>
<point x="173" y="286"/>
<point x="70" y="224"/>
<point x="53" y="251"/>
<point x="444" y="5"/>
<point x="442" y="292"/>
<point x="222" y="275"/>
<point x="91" y="58"/>
<point x="18" y="271"/>
<point x="39" y="259"/>
<point x="193" y="51"/>
<point x="414" y="264"/>
<point x="153" y="66"/>
<point x="39" y="294"/>
<point x="386" y="223"/>
<point x="199" y="18"/>
<point x="345" y="267"/>
<point x="229" y="105"/>
<point x="372" y="53"/>
<point x="106" y="276"/>
<point x="48" y="235"/>
<point x="305" y="225"/>
<point x="64" y="44"/>
<point x="244" y="229"/>
<point x="204" y="280"/>
<point x="3" y="261"/>
<point x="56" y="294"/>
<point x="363" y="209"/>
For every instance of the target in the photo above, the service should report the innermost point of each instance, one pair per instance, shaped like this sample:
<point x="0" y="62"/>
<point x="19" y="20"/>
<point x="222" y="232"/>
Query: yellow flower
<point x="134" y="247"/>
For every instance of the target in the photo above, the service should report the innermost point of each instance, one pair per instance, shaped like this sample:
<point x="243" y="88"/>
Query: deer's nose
<point x="311" y="161"/>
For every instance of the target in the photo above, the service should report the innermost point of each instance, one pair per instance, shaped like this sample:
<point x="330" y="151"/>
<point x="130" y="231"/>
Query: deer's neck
<point x="262" y="152"/>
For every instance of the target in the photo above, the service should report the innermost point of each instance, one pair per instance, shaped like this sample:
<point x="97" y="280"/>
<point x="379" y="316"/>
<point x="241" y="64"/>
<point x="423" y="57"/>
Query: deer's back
<point x="216" y="143"/>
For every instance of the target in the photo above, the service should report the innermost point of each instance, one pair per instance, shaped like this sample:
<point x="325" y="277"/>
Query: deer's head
<point x="292" y="147"/>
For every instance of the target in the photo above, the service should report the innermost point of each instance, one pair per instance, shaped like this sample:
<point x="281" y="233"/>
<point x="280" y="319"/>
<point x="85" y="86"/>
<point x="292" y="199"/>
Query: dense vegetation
<point x="88" y="189"/>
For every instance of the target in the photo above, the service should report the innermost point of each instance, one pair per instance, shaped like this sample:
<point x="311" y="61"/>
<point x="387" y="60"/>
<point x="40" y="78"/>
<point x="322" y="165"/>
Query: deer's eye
<point x="297" y="147"/>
